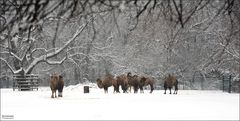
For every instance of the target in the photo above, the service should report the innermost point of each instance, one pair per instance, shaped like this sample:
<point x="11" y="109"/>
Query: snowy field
<point x="75" y="105"/>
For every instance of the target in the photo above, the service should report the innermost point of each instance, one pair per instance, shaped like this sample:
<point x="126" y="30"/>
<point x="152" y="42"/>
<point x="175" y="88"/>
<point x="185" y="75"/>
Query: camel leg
<point x="105" y="89"/>
<point x="135" y="89"/>
<point x="117" y="88"/>
<point x="176" y="89"/>
<point x="141" y="90"/>
<point x="52" y="94"/>
<point x="176" y="86"/>
<point x="59" y="94"/>
<point x="124" y="88"/>
<point x="114" y="89"/>
<point x="165" y="88"/>
<point x="151" y="88"/>
<point x="55" y="93"/>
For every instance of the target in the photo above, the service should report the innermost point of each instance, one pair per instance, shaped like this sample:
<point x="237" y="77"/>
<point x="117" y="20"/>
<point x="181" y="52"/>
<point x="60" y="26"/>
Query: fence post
<point x="223" y="83"/>
<point x="229" y="89"/>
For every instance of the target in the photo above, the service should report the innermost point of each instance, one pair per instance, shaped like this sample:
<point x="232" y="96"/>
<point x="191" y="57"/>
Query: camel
<point x="106" y="82"/>
<point x="169" y="82"/>
<point x="56" y="83"/>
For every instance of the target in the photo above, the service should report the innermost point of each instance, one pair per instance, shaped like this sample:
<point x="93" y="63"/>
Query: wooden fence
<point x="26" y="82"/>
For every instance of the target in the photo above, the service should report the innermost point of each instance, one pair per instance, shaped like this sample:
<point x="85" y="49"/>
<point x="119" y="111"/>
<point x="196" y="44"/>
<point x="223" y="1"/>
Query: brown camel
<point x="133" y="81"/>
<point x="56" y="83"/>
<point x="169" y="82"/>
<point x="145" y="81"/>
<point x="106" y="82"/>
<point x="122" y="81"/>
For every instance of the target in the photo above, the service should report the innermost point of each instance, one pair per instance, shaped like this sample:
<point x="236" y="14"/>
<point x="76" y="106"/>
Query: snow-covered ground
<point x="75" y="105"/>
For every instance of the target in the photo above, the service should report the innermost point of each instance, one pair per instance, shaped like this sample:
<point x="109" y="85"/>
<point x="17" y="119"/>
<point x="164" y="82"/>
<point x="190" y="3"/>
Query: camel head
<point x="99" y="83"/>
<point x="143" y="81"/>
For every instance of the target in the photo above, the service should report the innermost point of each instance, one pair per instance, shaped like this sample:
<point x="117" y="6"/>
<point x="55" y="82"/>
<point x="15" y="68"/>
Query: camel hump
<point x="129" y="74"/>
<point x="109" y="76"/>
<point x="171" y="79"/>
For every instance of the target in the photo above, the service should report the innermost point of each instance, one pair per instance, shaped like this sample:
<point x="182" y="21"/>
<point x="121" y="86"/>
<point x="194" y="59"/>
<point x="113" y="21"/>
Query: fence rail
<point x="226" y="83"/>
<point x="25" y="82"/>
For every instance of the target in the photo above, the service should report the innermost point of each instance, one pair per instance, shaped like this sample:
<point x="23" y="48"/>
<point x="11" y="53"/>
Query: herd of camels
<point x="126" y="81"/>
<point x="135" y="81"/>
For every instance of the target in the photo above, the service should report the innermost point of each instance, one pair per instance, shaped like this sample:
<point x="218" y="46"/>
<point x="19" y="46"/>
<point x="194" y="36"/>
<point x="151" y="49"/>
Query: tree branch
<point x="144" y="8"/>
<point x="14" y="55"/>
<point x="53" y="54"/>
<point x="67" y="43"/>
<point x="36" y="49"/>
<point x="194" y="10"/>
<point x="9" y="66"/>
<point x="179" y="12"/>
<point x="55" y="62"/>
